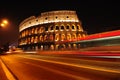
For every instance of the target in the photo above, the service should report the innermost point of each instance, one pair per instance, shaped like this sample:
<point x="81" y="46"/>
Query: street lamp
<point x="4" y="23"/>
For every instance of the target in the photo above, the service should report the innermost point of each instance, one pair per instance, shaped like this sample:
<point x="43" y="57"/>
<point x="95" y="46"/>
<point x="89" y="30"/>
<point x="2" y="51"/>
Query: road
<point x="61" y="67"/>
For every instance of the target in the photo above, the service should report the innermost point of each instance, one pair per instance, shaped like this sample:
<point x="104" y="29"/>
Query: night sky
<point x="96" y="16"/>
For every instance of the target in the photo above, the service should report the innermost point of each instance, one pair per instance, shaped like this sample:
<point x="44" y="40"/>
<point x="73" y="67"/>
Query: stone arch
<point x="73" y="36"/>
<point x="36" y="39"/>
<point x="62" y="37"/>
<point x="73" y="27"/>
<point x="41" y="38"/>
<point x="29" y="32"/>
<point x="41" y="30"/>
<point x="52" y="47"/>
<point x="36" y="30"/>
<point x="57" y="28"/>
<point x="41" y="47"/>
<point x="33" y="30"/>
<point x="57" y="47"/>
<point x="68" y="36"/>
<point x="63" y="47"/>
<point x="32" y="39"/>
<point x="62" y="27"/>
<point x="79" y="28"/>
<point x="51" y="28"/>
<point x="79" y="36"/>
<point x="69" y="46"/>
<point x="29" y="40"/>
<point x="51" y="37"/>
<point x="46" y="47"/>
<point x="74" y="46"/>
<point x="26" y="32"/>
<point x="45" y="37"/>
<point x="57" y="37"/>
<point x="68" y="28"/>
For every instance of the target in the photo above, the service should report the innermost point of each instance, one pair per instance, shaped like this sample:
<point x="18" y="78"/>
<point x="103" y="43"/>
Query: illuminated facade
<point x="47" y="31"/>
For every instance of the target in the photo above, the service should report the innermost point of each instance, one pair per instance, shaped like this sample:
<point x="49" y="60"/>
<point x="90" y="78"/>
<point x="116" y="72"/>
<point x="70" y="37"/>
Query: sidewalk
<point x="2" y="74"/>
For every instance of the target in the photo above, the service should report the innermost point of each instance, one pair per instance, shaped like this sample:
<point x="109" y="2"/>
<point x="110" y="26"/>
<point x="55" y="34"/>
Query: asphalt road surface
<point x="61" y="67"/>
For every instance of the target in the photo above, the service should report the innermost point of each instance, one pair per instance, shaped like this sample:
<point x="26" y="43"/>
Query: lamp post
<point x="3" y="23"/>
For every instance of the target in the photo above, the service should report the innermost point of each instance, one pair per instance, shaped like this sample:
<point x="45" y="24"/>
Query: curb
<point x="8" y="73"/>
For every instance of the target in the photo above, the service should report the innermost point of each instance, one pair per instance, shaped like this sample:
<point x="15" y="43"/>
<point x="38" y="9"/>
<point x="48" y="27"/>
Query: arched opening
<point x="73" y="36"/>
<point x="62" y="37"/>
<point x="32" y="30"/>
<point x="57" y="28"/>
<point x="79" y="36"/>
<point x="45" y="37"/>
<point x="56" y="47"/>
<point x="36" y="30"/>
<point x="46" y="47"/>
<point x="26" y="32"/>
<point x="51" y="37"/>
<point x="32" y="39"/>
<point x="63" y="47"/>
<point x="36" y="39"/>
<point x="29" y="32"/>
<point x="79" y="28"/>
<point x="56" y="37"/>
<point x="52" y="47"/>
<point x="46" y="28"/>
<point x="51" y="28"/>
<point x="41" y="38"/>
<point x="41" y="47"/>
<point x="73" y="27"/>
<point x="67" y="27"/>
<point x="69" y="37"/>
<point x="29" y="40"/>
<point x="69" y="46"/>
<point x="41" y="30"/>
<point x="74" y="46"/>
<point x="62" y="27"/>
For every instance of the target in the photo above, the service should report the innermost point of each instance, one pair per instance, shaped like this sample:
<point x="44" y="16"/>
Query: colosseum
<point x="48" y="30"/>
